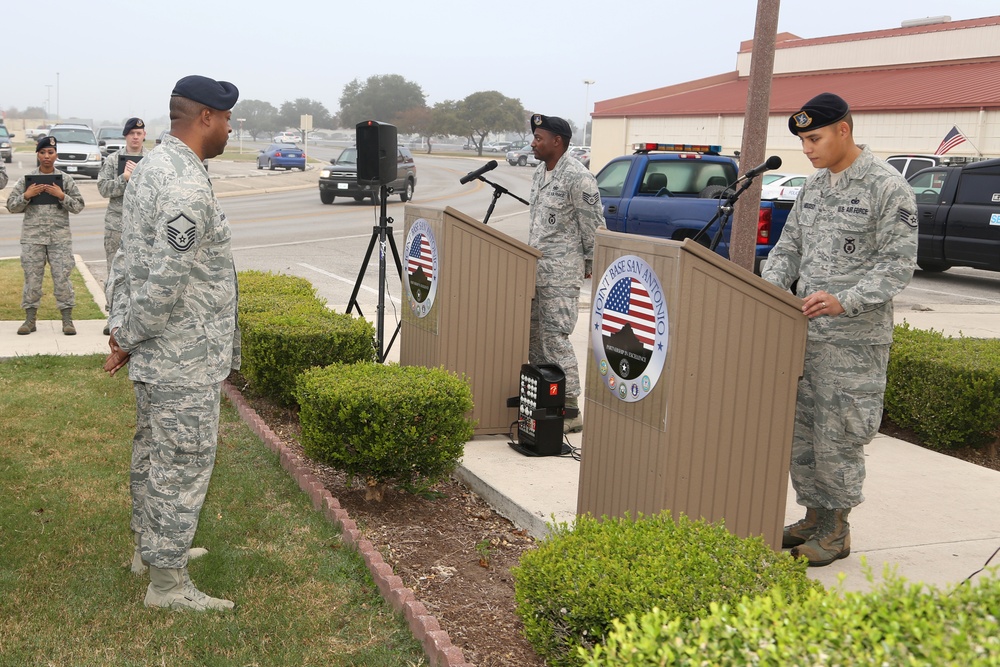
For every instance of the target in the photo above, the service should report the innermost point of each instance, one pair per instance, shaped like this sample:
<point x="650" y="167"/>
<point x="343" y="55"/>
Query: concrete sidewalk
<point x="930" y="516"/>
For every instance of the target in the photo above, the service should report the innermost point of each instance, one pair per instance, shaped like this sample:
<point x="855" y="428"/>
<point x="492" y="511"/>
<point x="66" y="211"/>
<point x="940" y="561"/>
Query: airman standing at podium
<point x="565" y="210"/>
<point x="851" y="242"/>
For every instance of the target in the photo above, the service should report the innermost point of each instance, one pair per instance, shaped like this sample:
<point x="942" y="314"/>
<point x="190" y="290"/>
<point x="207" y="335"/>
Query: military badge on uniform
<point x="591" y="197"/>
<point x="536" y="119"/>
<point x="181" y="233"/>
<point x="802" y="119"/>
<point x="909" y="217"/>
<point x="552" y="218"/>
<point x="849" y="246"/>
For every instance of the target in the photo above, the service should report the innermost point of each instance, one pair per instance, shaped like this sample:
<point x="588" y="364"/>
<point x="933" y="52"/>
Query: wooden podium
<point x="466" y="293"/>
<point x="691" y="387"/>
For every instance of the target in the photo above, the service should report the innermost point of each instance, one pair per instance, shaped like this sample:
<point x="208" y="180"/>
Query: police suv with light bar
<point x="672" y="190"/>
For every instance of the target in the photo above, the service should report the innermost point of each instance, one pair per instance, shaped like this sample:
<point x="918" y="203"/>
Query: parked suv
<point x="340" y="179"/>
<point x="109" y="140"/>
<point x="6" y="149"/>
<point x="76" y="149"/>
<point x="522" y="157"/>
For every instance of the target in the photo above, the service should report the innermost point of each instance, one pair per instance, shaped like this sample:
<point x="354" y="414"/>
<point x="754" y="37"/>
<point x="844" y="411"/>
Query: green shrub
<point x="894" y="624"/>
<point x="263" y="292"/>
<point x="947" y="390"/>
<point x="582" y="576"/>
<point x="400" y="424"/>
<point x="277" y="347"/>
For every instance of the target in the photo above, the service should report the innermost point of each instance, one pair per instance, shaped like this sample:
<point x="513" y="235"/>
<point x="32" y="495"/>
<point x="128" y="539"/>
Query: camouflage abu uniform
<point x="111" y="185"/>
<point x="45" y="235"/>
<point x="173" y="307"/>
<point x="3" y="176"/>
<point x="565" y="213"/>
<point x="857" y="240"/>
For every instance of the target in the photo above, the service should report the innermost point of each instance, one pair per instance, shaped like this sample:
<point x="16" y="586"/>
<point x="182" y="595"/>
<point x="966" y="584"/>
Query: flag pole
<point x="979" y="153"/>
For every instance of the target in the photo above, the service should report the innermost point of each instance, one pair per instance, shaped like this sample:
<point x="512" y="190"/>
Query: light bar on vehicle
<point x="696" y="148"/>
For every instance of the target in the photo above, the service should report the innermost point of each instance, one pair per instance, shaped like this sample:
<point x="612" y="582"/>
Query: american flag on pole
<point x="420" y="257"/>
<point x="628" y="302"/>
<point x="952" y="139"/>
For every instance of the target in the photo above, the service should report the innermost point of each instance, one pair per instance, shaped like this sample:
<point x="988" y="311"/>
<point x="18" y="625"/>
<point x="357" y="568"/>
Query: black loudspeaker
<point x="541" y="408"/>
<point x="376" y="152"/>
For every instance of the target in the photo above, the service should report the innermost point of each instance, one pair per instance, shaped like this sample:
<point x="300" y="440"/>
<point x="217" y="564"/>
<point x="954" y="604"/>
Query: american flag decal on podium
<point x="629" y="303"/>
<point x="420" y="257"/>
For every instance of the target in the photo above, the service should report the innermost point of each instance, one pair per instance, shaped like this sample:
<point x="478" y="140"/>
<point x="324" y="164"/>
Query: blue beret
<point x="45" y="142"/>
<point x="553" y="124"/>
<point x="133" y="124"/>
<point x="220" y="95"/>
<point x="822" y="110"/>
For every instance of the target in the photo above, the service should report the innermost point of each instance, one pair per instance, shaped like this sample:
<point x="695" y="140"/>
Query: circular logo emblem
<point x="421" y="267"/>
<point x="629" y="332"/>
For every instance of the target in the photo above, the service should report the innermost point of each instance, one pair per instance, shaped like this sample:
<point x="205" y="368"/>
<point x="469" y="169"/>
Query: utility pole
<point x="743" y="237"/>
<point x="586" y="109"/>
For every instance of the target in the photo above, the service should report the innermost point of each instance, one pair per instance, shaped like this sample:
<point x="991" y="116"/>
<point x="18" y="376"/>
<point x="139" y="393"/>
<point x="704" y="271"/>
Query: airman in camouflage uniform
<point x="173" y="318"/>
<point x="45" y="236"/>
<point x="851" y="242"/>
<point x="111" y="182"/>
<point x="3" y="176"/>
<point x="565" y="214"/>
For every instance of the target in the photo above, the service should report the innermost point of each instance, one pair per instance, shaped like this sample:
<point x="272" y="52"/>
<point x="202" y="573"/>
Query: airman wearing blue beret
<point x="173" y="320"/>
<point x="849" y="244"/>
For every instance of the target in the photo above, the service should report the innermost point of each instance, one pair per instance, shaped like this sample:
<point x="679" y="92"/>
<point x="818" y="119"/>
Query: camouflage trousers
<point x="554" y="312"/>
<point x="112" y="241"/>
<point x="838" y="412"/>
<point x="60" y="259"/>
<point x="173" y="455"/>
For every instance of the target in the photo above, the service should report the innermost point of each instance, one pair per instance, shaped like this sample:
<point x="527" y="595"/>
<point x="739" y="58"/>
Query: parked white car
<point x="287" y="138"/>
<point x="781" y="186"/>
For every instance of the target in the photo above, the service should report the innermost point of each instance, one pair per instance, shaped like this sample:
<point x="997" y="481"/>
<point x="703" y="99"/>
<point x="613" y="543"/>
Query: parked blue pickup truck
<point x="673" y="190"/>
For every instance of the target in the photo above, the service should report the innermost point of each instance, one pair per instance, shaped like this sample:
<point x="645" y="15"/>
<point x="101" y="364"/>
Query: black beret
<point x="133" y="124"/>
<point x="45" y="142"/>
<point x="822" y="110"/>
<point x="553" y="124"/>
<point x="220" y="95"/>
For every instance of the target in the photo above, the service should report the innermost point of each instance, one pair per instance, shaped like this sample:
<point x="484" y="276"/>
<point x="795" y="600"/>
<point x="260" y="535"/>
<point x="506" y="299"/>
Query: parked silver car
<point x="522" y="157"/>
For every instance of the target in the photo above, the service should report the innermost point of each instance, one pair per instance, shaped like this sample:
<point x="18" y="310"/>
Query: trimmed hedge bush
<point x="947" y="390"/>
<point x="894" y="624"/>
<point x="288" y="329"/>
<point x="385" y="423"/>
<point x="582" y="576"/>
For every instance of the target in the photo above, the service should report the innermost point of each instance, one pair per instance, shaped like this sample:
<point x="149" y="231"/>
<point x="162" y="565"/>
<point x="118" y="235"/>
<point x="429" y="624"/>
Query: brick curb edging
<point x="425" y="628"/>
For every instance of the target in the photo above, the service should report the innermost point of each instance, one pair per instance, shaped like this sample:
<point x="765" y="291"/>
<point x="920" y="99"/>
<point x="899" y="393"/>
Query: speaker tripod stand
<point x="382" y="234"/>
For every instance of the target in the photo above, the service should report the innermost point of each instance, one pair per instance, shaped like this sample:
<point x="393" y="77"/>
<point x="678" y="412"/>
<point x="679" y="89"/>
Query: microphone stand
<point x="498" y="191"/>
<point x="724" y="213"/>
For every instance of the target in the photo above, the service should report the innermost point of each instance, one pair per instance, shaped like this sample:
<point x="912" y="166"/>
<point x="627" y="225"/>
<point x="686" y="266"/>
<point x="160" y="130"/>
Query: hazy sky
<point x="117" y="59"/>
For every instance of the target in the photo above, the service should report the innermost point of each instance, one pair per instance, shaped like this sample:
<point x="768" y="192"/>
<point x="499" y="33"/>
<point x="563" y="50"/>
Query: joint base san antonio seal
<point x="421" y="267"/>
<point x="629" y="328"/>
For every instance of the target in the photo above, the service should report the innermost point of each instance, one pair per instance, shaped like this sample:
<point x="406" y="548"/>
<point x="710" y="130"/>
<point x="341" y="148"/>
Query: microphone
<point x="772" y="162"/>
<point x="490" y="166"/>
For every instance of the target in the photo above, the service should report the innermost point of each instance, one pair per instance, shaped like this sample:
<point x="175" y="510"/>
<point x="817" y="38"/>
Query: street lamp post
<point x="240" y="121"/>
<point x="586" y="109"/>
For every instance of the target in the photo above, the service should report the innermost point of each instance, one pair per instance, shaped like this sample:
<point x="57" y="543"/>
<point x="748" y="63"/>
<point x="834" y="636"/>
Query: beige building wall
<point x="967" y="43"/>
<point x="885" y="133"/>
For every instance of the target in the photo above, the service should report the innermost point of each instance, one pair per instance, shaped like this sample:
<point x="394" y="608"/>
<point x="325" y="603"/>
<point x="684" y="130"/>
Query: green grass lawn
<point x="67" y="596"/>
<point x="12" y="285"/>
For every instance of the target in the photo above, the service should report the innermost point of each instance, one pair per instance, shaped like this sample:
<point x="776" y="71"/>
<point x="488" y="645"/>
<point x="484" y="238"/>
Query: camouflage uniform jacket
<point x="173" y="282"/>
<point x="565" y="213"/>
<point x="111" y="185"/>
<point x="45" y="224"/>
<point x="856" y="240"/>
<point x="3" y="176"/>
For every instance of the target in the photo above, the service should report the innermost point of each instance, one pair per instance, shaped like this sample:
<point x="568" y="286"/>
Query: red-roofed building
<point x="907" y="88"/>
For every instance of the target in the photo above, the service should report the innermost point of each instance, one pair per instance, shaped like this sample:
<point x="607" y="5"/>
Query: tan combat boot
<point x="29" y="322"/>
<point x="831" y="541"/>
<point x="574" y="424"/>
<point x="800" y="531"/>
<point x="67" y="318"/>
<point x="139" y="565"/>
<point x="173" y="589"/>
